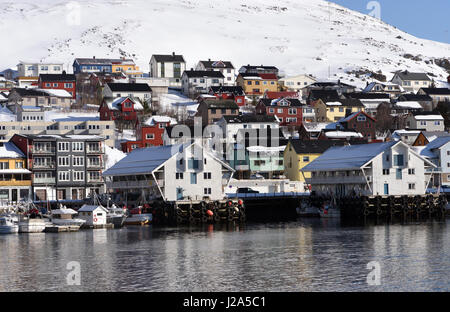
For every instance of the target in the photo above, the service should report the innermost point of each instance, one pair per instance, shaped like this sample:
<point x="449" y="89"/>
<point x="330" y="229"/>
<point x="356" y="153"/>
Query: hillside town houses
<point x="185" y="133"/>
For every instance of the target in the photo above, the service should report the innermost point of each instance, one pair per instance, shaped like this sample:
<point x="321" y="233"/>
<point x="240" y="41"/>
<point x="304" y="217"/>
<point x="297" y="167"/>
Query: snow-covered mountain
<point x="298" y="36"/>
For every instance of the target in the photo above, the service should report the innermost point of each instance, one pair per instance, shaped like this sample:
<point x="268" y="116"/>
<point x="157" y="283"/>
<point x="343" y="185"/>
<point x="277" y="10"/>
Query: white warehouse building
<point x="391" y="168"/>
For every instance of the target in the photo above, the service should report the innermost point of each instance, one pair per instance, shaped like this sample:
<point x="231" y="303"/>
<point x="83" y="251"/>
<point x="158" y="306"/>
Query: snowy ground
<point x="299" y="36"/>
<point x="112" y="156"/>
<point x="71" y="116"/>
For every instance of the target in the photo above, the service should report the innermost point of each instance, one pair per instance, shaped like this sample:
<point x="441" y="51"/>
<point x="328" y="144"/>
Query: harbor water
<point x="306" y="255"/>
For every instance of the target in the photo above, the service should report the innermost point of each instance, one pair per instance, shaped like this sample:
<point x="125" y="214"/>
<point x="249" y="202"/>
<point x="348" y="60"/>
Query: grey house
<point x="66" y="167"/>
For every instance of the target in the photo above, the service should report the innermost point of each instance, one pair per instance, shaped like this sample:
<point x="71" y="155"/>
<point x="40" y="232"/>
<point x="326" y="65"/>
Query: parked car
<point x="246" y="190"/>
<point x="256" y="176"/>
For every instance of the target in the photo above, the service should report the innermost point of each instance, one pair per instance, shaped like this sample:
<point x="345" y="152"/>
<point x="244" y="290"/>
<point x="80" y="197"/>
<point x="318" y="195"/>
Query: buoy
<point x="230" y="203"/>
<point x="210" y="213"/>
<point x="240" y="202"/>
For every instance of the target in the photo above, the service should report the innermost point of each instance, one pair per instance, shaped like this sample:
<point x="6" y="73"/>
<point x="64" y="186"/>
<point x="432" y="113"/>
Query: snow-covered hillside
<point x="298" y="36"/>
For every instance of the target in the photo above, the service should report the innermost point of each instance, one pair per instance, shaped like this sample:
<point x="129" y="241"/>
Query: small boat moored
<point x="9" y="225"/>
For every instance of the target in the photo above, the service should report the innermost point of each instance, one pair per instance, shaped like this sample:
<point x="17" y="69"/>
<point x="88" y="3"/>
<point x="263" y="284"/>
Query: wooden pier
<point x="61" y="228"/>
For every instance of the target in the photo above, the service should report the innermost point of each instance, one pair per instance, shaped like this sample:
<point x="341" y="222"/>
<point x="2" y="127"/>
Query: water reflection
<point x="308" y="255"/>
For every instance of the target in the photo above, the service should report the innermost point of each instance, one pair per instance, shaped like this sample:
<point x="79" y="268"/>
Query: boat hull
<point x="32" y="226"/>
<point x="9" y="229"/>
<point x="117" y="221"/>
<point x="141" y="219"/>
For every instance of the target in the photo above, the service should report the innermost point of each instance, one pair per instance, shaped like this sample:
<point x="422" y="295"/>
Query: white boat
<point x="28" y="225"/>
<point x="330" y="210"/>
<point x="8" y="225"/>
<point x="64" y="217"/>
<point x="116" y="216"/>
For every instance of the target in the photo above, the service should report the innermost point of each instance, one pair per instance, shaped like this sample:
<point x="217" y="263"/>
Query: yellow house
<point x="126" y="66"/>
<point x="299" y="153"/>
<point x="333" y="111"/>
<point x="15" y="179"/>
<point x="255" y="85"/>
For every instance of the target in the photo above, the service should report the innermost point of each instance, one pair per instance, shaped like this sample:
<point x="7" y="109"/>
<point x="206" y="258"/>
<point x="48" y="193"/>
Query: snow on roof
<point x="9" y="150"/>
<point x="406" y="132"/>
<point x="439" y="142"/>
<point x="15" y="171"/>
<point x="265" y="149"/>
<point x="6" y="114"/>
<point x="349" y="157"/>
<point x="144" y="160"/>
<point x="90" y="208"/>
<point x="315" y="126"/>
<point x="409" y="104"/>
<point x="113" y="156"/>
<point x="159" y="119"/>
<point x="56" y="92"/>
<point x="114" y="104"/>
<point x="343" y="134"/>
<point x="428" y="117"/>
<point x="55" y="115"/>
<point x="85" y="137"/>
<point x="333" y="103"/>
<point x="63" y="211"/>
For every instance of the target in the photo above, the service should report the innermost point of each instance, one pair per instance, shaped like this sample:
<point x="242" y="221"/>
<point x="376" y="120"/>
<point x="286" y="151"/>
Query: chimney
<point x="209" y="60"/>
<point x="192" y="69"/>
<point x="64" y="72"/>
<point x="94" y="57"/>
<point x="173" y="53"/>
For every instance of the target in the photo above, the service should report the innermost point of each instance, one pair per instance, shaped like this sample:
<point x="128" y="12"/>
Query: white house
<point x="140" y="91"/>
<point x="391" y="168"/>
<point x="195" y="82"/>
<point x="393" y="89"/>
<point x="169" y="66"/>
<point x="438" y="152"/>
<point x="297" y="83"/>
<point x="226" y="68"/>
<point x="94" y="215"/>
<point x="34" y="69"/>
<point x="173" y="173"/>
<point x="437" y="94"/>
<point x="412" y="82"/>
<point x="426" y="121"/>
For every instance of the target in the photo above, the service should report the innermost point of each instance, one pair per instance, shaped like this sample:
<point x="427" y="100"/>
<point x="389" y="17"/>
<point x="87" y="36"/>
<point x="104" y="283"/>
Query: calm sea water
<point x="308" y="255"/>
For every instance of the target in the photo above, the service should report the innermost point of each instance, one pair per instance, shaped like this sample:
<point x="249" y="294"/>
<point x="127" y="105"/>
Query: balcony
<point x="339" y="180"/>
<point x="44" y="166"/>
<point x="95" y="180"/>
<point x="42" y="151"/>
<point x="44" y="180"/>
<point x="94" y="151"/>
<point x="95" y="166"/>
<point x="132" y="184"/>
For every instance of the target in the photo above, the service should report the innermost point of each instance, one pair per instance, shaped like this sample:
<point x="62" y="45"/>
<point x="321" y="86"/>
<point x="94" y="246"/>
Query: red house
<point x="361" y="123"/>
<point x="288" y="111"/>
<point x="123" y="108"/>
<point x="235" y="93"/>
<point x="149" y="133"/>
<point x="281" y="94"/>
<point x="59" y="82"/>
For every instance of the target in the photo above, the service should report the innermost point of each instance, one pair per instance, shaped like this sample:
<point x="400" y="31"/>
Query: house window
<point x="64" y="176"/>
<point x="399" y="175"/>
<point x="193" y="178"/>
<point x="63" y="161"/>
<point x="341" y="109"/>
<point x="411" y="186"/>
<point x="411" y="171"/>
<point x="386" y="172"/>
<point x="280" y="111"/>
<point x="207" y="175"/>
<point x="398" y="160"/>
<point x="179" y="176"/>
<point x="362" y="118"/>
<point x="63" y="146"/>
<point x="193" y="163"/>
<point x="149" y="136"/>
<point x="305" y="158"/>
<point x="207" y="191"/>
<point x="78" y="161"/>
<point x="77" y="146"/>
<point x="68" y="85"/>
<point x="271" y="110"/>
<point x="78" y="175"/>
<point x="332" y="109"/>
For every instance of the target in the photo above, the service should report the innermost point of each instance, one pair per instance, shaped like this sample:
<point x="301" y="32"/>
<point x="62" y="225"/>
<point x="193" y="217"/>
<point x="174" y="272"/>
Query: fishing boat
<point x="64" y="217"/>
<point x="137" y="217"/>
<point x="330" y="210"/>
<point x="116" y="216"/>
<point x="9" y="225"/>
<point x="31" y="220"/>
<point x="307" y="210"/>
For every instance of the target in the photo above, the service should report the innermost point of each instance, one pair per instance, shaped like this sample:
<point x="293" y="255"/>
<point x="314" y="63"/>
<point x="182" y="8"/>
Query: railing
<point x="94" y="151"/>
<point x="96" y="180"/>
<point x="338" y="180"/>
<point x="96" y="166"/>
<point x="50" y="150"/>
<point x="44" y="180"/>
<point x="266" y="195"/>
<point x="44" y="166"/>
<point x="129" y="184"/>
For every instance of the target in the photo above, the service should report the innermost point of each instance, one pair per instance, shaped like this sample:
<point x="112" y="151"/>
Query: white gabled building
<point x="225" y="67"/>
<point x="426" y="121"/>
<point x="391" y="168"/>
<point x="174" y="172"/>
